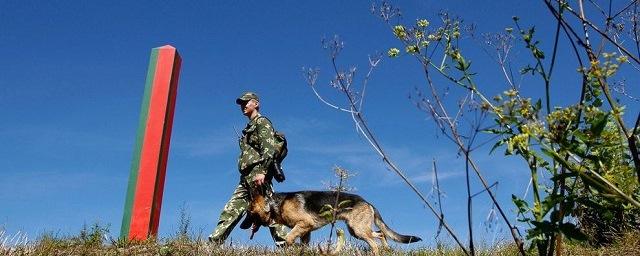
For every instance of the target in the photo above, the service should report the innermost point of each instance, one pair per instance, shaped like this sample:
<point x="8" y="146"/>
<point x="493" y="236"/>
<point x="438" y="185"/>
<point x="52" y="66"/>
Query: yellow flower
<point x="412" y="49"/>
<point x="511" y="93"/>
<point x="618" y="110"/>
<point x="622" y="59"/>
<point x="399" y="31"/>
<point x="423" y="23"/>
<point x="393" y="52"/>
<point x="531" y="129"/>
<point x="524" y="112"/>
<point x="520" y="141"/>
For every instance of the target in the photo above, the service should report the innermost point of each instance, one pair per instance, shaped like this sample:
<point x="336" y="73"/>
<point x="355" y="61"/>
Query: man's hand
<point x="259" y="179"/>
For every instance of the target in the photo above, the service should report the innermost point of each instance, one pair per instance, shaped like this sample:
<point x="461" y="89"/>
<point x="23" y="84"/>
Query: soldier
<point x="257" y="146"/>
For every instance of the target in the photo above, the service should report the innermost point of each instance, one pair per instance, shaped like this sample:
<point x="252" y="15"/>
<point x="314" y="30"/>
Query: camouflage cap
<point x="247" y="96"/>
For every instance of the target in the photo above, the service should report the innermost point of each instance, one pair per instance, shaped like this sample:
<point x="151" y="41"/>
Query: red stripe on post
<point x="157" y="202"/>
<point x="148" y="196"/>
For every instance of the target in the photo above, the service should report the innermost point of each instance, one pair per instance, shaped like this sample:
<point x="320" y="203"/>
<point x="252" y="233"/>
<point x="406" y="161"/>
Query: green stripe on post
<point x="135" y="164"/>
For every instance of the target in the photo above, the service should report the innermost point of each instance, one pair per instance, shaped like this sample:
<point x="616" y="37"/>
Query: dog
<point x="306" y="211"/>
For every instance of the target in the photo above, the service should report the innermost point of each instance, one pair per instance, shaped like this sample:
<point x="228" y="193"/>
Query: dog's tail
<point x="388" y="232"/>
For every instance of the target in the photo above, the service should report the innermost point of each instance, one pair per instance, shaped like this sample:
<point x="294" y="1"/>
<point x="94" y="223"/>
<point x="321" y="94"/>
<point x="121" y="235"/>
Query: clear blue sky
<point x="71" y="83"/>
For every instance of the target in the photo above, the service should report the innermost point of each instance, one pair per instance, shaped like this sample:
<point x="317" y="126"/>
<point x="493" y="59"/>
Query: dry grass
<point x="91" y="241"/>
<point x="176" y="247"/>
<point x="628" y="245"/>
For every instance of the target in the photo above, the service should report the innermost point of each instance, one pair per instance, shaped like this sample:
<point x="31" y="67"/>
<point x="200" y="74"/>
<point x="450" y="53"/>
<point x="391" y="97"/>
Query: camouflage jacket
<point x="257" y="147"/>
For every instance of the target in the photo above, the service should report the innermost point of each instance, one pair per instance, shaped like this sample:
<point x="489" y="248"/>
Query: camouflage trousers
<point x="236" y="208"/>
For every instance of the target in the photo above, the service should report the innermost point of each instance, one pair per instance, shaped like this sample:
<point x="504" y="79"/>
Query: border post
<point x="148" y="168"/>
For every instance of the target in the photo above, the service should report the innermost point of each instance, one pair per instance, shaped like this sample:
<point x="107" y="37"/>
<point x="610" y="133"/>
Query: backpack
<point x="281" y="147"/>
<point x="281" y="153"/>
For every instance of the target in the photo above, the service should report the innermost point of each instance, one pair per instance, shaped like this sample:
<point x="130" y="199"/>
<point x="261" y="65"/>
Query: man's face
<point x="248" y="107"/>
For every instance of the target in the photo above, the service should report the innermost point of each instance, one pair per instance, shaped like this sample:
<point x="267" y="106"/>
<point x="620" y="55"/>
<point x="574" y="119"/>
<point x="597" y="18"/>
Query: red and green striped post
<point x="148" y="168"/>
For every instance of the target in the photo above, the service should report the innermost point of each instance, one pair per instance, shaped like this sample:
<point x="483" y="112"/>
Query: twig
<point x="366" y="132"/>
<point x="435" y="171"/>
<point x="604" y="35"/>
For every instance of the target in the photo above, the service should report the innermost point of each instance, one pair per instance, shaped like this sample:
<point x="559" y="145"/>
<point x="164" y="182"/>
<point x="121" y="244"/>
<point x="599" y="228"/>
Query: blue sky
<point x="71" y="84"/>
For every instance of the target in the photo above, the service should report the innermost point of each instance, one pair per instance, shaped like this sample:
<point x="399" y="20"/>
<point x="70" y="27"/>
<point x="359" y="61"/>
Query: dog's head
<point x="260" y="209"/>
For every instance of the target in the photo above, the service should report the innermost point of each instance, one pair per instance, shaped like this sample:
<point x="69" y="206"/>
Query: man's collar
<point x="256" y="117"/>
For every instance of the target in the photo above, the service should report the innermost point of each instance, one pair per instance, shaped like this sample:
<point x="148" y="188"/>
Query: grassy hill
<point x="94" y="241"/>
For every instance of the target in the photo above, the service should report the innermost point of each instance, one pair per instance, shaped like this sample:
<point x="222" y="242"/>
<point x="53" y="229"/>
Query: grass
<point x="93" y="240"/>
<point x="628" y="245"/>
<point x="48" y="246"/>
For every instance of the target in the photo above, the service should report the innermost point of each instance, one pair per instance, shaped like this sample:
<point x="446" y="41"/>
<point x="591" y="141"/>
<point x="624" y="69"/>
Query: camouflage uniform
<point x="257" y="147"/>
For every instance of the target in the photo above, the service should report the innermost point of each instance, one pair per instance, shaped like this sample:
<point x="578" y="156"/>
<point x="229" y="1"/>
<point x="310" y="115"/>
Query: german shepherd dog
<point x="306" y="211"/>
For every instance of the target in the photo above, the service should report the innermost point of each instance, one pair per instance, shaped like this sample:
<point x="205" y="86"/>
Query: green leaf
<point x="597" y="103"/>
<point x="549" y="202"/>
<point x="538" y="105"/>
<point x="326" y="212"/>
<point x="524" y="219"/>
<point x="493" y="131"/>
<point x="522" y="205"/>
<point x="598" y="124"/>
<point x="327" y="215"/>
<point x="577" y="147"/>
<point x="498" y="144"/>
<point x="544" y="226"/>
<point x="342" y="204"/>
<point x="538" y="53"/>
<point x="527" y="69"/>
<point x="580" y="135"/>
<point x="326" y="208"/>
